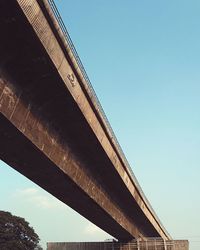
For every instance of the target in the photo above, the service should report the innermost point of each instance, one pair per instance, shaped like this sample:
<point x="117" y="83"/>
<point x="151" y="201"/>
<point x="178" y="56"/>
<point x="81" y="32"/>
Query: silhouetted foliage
<point x="16" y="234"/>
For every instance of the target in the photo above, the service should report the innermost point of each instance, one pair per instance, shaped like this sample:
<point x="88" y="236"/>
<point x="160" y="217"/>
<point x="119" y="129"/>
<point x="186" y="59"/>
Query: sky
<point x="143" y="59"/>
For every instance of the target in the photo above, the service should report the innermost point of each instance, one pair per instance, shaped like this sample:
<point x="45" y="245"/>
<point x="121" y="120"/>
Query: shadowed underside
<point x="52" y="132"/>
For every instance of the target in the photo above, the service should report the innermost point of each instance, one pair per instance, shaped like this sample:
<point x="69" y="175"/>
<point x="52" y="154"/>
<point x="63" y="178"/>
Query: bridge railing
<point x="98" y="104"/>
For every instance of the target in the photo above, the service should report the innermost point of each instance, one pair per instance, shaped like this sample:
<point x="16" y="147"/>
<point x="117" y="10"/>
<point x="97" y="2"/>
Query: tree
<point x="15" y="233"/>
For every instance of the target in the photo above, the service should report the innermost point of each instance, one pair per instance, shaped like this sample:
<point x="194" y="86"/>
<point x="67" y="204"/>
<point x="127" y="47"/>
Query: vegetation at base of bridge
<point x="15" y="233"/>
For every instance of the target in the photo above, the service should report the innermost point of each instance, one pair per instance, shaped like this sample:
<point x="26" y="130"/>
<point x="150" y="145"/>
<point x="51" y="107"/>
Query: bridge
<point x="53" y="129"/>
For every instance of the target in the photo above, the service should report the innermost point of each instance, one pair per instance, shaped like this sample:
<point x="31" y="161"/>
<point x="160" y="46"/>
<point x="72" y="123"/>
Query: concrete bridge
<point x="53" y="129"/>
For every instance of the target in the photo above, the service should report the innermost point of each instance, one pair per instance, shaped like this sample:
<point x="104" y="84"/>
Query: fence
<point x="149" y="244"/>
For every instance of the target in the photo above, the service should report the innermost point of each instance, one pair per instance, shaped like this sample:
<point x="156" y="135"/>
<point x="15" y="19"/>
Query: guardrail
<point x="99" y="106"/>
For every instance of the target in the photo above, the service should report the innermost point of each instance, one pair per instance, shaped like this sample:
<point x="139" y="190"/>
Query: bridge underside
<point x="45" y="136"/>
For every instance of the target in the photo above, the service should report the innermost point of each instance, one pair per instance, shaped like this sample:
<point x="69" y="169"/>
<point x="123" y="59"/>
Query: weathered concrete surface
<point x="153" y="244"/>
<point x="52" y="132"/>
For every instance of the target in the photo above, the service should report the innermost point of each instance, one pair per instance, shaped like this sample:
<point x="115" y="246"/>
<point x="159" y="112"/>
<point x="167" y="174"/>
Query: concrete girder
<point x="40" y="78"/>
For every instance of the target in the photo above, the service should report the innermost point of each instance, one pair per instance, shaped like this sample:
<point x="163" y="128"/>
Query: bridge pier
<point x="149" y="244"/>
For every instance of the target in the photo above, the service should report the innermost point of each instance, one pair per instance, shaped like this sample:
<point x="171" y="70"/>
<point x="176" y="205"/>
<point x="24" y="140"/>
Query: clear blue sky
<point x="143" y="59"/>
